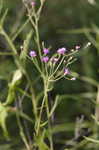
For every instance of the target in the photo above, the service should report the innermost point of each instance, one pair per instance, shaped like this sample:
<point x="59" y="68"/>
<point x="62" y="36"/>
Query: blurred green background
<point x="64" y="23"/>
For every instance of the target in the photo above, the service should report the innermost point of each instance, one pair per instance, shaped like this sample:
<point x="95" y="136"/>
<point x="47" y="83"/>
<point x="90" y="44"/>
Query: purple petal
<point x="45" y="51"/>
<point x="73" y="78"/>
<point x="77" y="47"/>
<point x="54" y="59"/>
<point x="61" y="50"/>
<point x="66" y="71"/>
<point x="32" y="54"/>
<point x="33" y="4"/>
<point x="45" y="59"/>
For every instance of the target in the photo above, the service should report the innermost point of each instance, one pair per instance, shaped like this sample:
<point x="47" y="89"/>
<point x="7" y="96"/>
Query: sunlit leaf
<point x="15" y="82"/>
<point x="3" y="117"/>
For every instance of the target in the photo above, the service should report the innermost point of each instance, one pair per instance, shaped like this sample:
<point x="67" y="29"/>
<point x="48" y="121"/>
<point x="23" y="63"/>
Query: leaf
<point x="23" y="92"/>
<point x="25" y="116"/>
<point x="44" y="123"/>
<point x="92" y="140"/>
<point x="54" y="106"/>
<point x="11" y="96"/>
<point x="3" y="17"/>
<point x="20" y="30"/>
<point x="3" y="116"/>
<point x="16" y="77"/>
<point x="40" y="142"/>
<point x="96" y="121"/>
<point x="76" y="31"/>
<point x="1" y="5"/>
<point x="12" y="87"/>
<point x="89" y="80"/>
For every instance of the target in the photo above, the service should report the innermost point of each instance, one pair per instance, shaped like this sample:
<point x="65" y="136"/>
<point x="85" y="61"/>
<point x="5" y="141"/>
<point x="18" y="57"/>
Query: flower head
<point x="32" y="3"/>
<point x="45" y="59"/>
<point x="66" y="71"/>
<point x="45" y="50"/>
<point x="32" y="54"/>
<point x="54" y="60"/>
<point x="61" y="50"/>
<point x="77" y="47"/>
<point x="73" y="78"/>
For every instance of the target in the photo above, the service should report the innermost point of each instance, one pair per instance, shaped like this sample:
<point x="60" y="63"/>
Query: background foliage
<point x="64" y="23"/>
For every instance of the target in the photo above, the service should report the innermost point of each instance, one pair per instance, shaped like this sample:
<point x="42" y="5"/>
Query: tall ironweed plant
<point x="50" y="66"/>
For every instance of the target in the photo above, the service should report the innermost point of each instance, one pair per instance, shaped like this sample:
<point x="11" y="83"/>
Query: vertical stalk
<point x="97" y="105"/>
<point x="37" y="37"/>
<point x="46" y="86"/>
<point x="97" y="118"/>
<point x="40" y="116"/>
<point x="22" y="134"/>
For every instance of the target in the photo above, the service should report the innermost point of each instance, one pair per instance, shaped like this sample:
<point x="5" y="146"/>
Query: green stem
<point x="57" y="67"/>
<point x="19" y="65"/>
<point x="97" y="119"/>
<point x="40" y="116"/>
<point x="22" y="132"/>
<point x="37" y="38"/>
<point x="46" y="86"/>
<point x="35" y="26"/>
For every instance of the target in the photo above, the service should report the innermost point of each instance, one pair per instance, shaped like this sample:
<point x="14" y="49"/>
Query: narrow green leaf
<point x="20" y="30"/>
<point x="76" y="31"/>
<point x="89" y="80"/>
<point x="44" y="123"/>
<point x="41" y="142"/>
<point x="12" y="87"/>
<point x="54" y="106"/>
<point x="16" y="77"/>
<point x="23" y="115"/>
<point x="3" y="116"/>
<point x="91" y="140"/>
<point x="3" y="17"/>
<point x="1" y="5"/>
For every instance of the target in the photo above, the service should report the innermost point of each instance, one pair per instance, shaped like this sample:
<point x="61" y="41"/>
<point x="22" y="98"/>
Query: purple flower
<point x="61" y="50"/>
<point x="73" y="78"/>
<point x="45" y="59"/>
<point x="33" y="4"/>
<point x="66" y="71"/>
<point x="32" y="54"/>
<point x="54" y="59"/>
<point x="77" y="47"/>
<point x="45" y="50"/>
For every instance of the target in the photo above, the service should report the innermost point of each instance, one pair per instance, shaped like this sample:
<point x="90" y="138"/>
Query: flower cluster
<point x="59" y="61"/>
<point x="45" y="58"/>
